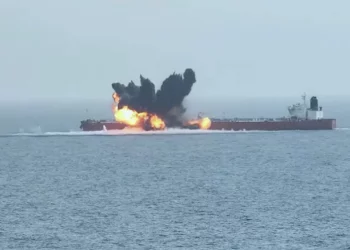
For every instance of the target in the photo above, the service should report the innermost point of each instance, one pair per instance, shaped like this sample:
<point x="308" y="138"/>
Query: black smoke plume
<point x="166" y="102"/>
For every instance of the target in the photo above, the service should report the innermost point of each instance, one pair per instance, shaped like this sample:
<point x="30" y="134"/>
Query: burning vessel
<point x="300" y="117"/>
<point x="145" y="108"/>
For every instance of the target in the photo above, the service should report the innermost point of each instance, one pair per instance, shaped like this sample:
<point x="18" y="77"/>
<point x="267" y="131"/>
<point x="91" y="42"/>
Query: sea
<point x="61" y="188"/>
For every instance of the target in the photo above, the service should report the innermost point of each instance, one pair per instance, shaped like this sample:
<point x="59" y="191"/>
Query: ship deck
<point x="282" y="119"/>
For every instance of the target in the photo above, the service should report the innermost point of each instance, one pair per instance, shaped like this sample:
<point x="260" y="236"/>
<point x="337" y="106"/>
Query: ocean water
<point x="175" y="189"/>
<point x="65" y="116"/>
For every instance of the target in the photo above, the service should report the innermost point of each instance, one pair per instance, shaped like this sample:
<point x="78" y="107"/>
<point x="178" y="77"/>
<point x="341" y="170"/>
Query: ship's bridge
<point x="298" y="110"/>
<point x="301" y="111"/>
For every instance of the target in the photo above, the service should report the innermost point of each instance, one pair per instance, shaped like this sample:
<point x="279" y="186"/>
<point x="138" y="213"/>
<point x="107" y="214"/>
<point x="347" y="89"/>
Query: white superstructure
<point x="298" y="110"/>
<point x="314" y="114"/>
<point x="301" y="111"/>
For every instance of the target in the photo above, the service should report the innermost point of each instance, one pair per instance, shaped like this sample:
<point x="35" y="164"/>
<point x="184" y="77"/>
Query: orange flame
<point x="116" y="98"/>
<point x="203" y="123"/>
<point x="132" y="118"/>
<point x="127" y="116"/>
<point x="156" y="122"/>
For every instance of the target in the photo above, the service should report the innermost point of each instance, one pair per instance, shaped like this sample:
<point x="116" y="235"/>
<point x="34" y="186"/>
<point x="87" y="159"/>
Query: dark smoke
<point x="166" y="102"/>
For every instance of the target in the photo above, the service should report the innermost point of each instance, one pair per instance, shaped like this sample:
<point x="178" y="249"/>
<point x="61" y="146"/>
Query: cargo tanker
<point x="300" y="117"/>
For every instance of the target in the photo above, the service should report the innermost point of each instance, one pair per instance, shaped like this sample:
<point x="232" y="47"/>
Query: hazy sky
<point x="65" y="48"/>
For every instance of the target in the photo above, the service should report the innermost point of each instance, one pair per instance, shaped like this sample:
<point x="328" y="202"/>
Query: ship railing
<point x="96" y="121"/>
<point x="250" y="119"/>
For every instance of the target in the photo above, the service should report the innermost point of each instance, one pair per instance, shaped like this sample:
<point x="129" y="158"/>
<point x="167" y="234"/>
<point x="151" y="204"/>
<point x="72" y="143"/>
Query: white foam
<point x="342" y="129"/>
<point x="174" y="131"/>
<point x="170" y="131"/>
<point x="71" y="133"/>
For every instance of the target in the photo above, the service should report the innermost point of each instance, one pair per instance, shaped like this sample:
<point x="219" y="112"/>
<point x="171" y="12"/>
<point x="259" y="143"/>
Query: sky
<point x="58" y="50"/>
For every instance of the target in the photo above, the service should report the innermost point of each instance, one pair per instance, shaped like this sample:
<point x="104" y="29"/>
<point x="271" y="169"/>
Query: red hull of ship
<point x="322" y="124"/>
<point x="99" y="125"/>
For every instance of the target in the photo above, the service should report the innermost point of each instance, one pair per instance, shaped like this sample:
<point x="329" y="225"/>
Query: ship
<point x="300" y="117"/>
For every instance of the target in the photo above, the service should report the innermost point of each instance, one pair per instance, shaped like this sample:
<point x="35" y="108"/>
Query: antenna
<point x="304" y="98"/>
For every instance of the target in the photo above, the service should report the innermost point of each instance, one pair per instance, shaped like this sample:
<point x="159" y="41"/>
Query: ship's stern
<point x="334" y="124"/>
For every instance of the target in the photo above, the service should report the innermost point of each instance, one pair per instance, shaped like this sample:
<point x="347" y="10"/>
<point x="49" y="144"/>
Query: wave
<point x="173" y="131"/>
<point x="342" y="129"/>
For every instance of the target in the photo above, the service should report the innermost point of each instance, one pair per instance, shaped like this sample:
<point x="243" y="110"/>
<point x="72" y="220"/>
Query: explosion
<point x="203" y="123"/>
<point x="132" y="118"/>
<point x="143" y="107"/>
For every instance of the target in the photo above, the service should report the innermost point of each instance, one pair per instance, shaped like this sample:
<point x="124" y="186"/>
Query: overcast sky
<point x="76" y="49"/>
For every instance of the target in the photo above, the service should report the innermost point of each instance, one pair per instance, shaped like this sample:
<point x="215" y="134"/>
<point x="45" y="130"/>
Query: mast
<point x="304" y="98"/>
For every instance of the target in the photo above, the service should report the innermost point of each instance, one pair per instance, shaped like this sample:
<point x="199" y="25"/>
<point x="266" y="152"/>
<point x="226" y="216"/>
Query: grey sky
<point x="73" y="49"/>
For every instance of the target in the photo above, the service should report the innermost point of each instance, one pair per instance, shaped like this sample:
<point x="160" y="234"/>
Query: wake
<point x="125" y="132"/>
<point x="342" y="129"/>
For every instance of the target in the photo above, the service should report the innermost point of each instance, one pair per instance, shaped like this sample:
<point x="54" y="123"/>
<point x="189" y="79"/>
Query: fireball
<point x="132" y="118"/>
<point x="203" y="123"/>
